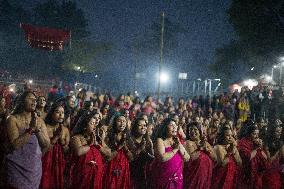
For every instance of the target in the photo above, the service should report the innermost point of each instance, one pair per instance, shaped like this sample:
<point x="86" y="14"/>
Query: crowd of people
<point x="233" y="140"/>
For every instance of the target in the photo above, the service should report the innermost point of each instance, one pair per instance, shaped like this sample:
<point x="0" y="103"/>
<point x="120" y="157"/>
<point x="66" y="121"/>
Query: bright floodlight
<point x="275" y="66"/>
<point x="164" y="77"/>
<point x="96" y="76"/>
<point x="11" y="90"/>
<point x="268" y="78"/>
<point x="78" y="67"/>
<point x="252" y="69"/>
<point x="250" y="83"/>
<point x="30" y="81"/>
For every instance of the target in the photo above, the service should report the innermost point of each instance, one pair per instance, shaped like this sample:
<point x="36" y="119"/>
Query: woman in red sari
<point x="143" y="155"/>
<point x="254" y="159"/>
<point x="274" y="145"/>
<point x="228" y="160"/>
<point x="118" y="141"/>
<point x="198" y="171"/>
<point x="53" y="162"/>
<point x="87" y="162"/>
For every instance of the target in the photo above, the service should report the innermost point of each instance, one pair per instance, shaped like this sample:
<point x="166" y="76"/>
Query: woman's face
<point x="126" y="113"/>
<point x="278" y="132"/>
<point x="216" y="123"/>
<point x="105" y="109"/>
<point x="71" y="102"/>
<point x="97" y="118"/>
<point x="121" y="123"/>
<point x="91" y="108"/>
<point x="255" y="134"/>
<point x="121" y="103"/>
<point x="182" y="120"/>
<point x="176" y="118"/>
<point x="91" y="127"/>
<point x="58" y="115"/>
<point x="150" y="129"/>
<point x="142" y="127"/>
<point x="41" y="102"/>
<point x="30" y="102"/>
<point x="206" y="122"/>
<point x="194" y="133"/>
<point x="172" y="129"/>
<point x="228" y="136"/>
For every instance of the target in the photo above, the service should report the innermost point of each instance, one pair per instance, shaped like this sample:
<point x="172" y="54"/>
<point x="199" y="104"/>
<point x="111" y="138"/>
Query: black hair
<point x="162" y="131"/>
<point x="190" y="126"/>
<point x="248" y="128"/>
<point x="134" y="127"/>
<point x="48" y="119"/>
<point x="20" y="102"/>
<point x="83" y="121"/>
<point x="221" y="135"/>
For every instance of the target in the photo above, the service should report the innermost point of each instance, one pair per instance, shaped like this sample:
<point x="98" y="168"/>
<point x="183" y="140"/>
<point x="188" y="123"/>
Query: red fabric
<point x="84" y="174"/>
<point x="53" y="165"/>
<point x="117" y="174"/>
<point x="198" y="173"/>
<point x="46" y="38"/>
<point x="252" y="170"/>
<point x="272" y="177"/>
<point x="225" y="177"/>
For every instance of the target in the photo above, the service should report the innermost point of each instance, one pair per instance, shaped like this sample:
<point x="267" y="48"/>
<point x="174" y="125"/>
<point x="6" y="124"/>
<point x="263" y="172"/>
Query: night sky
<point x="122" y="21"/>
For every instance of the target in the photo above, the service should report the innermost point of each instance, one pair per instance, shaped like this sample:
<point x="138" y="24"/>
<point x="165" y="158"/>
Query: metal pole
<point x="280" y="79"/>
<point x="198" y="87"/>
<point x="181" y="87"/>
<point x="161" y="53"/>
<point x="193" y="88"/>
<point x="205" y="86"/>
<point x="272" y="73"/>
<point x="210" y="87"/>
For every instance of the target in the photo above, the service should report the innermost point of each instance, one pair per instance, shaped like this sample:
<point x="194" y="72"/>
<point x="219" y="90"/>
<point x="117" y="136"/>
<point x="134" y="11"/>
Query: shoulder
<point x="219" y="148"/>
<point x="77" y="139"/>
<point x="190" y="143"/>
<point x="65" y="129"/>
<point x="160" y="142"/>
<point x="12" y="118"/>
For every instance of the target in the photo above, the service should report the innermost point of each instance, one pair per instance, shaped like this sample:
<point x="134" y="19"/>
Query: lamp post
<point x="161" y="53"/>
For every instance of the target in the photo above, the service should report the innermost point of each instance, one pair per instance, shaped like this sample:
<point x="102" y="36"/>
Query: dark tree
<point x="259" y="25"/>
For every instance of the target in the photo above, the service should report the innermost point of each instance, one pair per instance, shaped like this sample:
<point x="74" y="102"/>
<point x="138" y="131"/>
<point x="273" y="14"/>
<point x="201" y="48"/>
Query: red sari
<point x="198" y="172"/>
<point x="117" y="173"/>
<point x="53" y="165"/>
<point x="225" y="177"/>
<point x="252" y="170"/>
<point x="83" y="173"/>
<point x="272" y="177"/>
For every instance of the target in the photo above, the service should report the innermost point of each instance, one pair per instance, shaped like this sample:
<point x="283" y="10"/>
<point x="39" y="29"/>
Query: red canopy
<point x="45" y="38"/>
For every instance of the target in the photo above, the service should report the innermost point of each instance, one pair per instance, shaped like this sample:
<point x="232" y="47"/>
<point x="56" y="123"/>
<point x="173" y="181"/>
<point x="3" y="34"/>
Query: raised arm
<point x="160" y="152"/>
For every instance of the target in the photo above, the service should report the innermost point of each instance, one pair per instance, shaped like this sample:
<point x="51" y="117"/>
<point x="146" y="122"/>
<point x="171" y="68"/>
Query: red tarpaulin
<point x="45" y="38"/>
